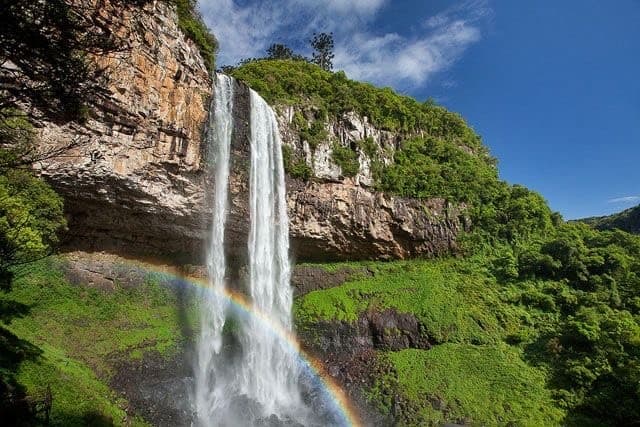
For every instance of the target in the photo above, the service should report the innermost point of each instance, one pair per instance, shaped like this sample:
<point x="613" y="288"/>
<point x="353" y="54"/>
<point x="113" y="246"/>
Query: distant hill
<point x="627" y="220"/>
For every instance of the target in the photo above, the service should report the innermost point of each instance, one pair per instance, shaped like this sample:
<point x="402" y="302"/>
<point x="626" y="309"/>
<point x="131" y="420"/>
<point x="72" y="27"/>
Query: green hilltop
<point x="627" y="220"/>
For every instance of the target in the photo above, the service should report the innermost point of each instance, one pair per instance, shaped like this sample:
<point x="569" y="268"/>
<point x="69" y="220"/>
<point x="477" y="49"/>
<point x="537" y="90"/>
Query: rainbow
<point x="340" y="402"/>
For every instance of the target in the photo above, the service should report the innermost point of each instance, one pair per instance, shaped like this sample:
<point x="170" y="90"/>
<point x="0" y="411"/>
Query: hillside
<point x="628" y="220"/>
<point x="426" y="288"/>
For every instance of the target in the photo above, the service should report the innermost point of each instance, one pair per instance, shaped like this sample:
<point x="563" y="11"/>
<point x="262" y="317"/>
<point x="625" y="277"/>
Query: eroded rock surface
<point x="137" y="181"/>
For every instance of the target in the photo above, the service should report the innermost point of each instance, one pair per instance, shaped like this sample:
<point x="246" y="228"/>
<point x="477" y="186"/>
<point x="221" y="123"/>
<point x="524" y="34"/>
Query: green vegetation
<point x="557" y="316"/>
<point x="486" y="385"/>
<point x="452" y="302"/>
<point x="431" y="167"/>
<point x="31" y="213"/>
<point x="291" y="82"/>
<point x="346" y="158"/>
<point x="30" y="216"/>
<point x="191" y="23"/>
<point x="71" y="338"/>
<point x="314" y="134"/>
<point x="627" y="220"/>
<point x="368" y="147"/>
<point x="446" y="160"/>
<point x="295" y="166"/>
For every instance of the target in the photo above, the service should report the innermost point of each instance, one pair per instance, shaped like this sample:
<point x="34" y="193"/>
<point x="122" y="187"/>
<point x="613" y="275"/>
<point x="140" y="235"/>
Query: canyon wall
<point x="136" y="180"/>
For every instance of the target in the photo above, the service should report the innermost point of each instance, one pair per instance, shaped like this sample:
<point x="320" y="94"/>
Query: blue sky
<point x="552" y="86"/>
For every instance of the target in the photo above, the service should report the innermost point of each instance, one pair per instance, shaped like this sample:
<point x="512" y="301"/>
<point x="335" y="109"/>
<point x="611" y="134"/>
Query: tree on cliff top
<point x="280" y="51"/>
<point x="322" y="45"/>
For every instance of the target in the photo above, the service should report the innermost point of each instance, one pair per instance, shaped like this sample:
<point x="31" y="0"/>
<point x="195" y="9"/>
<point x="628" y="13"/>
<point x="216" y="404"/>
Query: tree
<point x="279" y="51"/>
<point x="322" y="45"/>
<point x="31" y="214"/>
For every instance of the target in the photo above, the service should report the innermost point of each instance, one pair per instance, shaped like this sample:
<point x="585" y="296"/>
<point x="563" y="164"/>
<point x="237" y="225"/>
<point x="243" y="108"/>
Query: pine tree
<point x="322" y="44"/>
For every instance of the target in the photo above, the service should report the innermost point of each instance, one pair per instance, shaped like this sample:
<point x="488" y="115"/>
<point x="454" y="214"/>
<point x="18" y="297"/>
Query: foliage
<point x="280" y="51"/>
<point x="439" y="154"/>
<point x="565" y="302"/>
<point x="192" y="24"/>
<point x="369" y="147"/>
<point x="479" y="385"/>
<point x="31" y="214"/>
<point x="430" y="167"/>
<point x="322" y="45"/>
<point x="79" y="334"/>
<point x="346" y="158"/>
<point x="627" y="220"/>
<point x="452" y="302"/>
<point x="295" y="166"/>
<point x="314" y="134"/>
<point x="17" y="140"/>
<point x="594" y="348"/>
<point x="307" y="85"/>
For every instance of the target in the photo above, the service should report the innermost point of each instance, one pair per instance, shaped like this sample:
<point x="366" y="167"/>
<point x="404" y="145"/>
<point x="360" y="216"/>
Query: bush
<point x="347" y="159"/>
<point x="31" y="214"/>
<point x="295" y="167"/>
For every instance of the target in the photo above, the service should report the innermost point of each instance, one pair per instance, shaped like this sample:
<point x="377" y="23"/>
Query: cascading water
<point x="269" y="375"/>
<point x="257" y="383"/>
<point x="207" y="390"/>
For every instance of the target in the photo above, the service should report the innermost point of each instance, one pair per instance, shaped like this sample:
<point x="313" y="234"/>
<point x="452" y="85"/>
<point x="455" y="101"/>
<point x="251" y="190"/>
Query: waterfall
<point x="270" y="375"/>
<point x="257" y="382"/>
<point x="208" y="391"/>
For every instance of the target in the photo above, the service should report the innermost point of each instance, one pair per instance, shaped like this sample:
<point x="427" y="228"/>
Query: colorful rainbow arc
<point x="331" y="388"/>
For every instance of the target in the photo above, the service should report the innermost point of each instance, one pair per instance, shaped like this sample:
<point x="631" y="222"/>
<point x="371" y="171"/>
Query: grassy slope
<point x="81" y="332"/>
<point x="454" y="303"/>
<point x="472" y="374"/>
<point x="489" y="385"/>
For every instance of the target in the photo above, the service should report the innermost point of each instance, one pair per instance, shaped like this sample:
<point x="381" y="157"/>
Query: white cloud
<point x="361" y="8"/>
<point x="393" y="59"/>
<point x="626" y="199"/>
<point x="363" y="53"/>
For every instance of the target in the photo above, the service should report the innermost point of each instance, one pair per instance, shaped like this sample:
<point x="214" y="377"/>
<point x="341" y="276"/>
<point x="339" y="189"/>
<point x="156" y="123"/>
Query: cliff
<point x="136" y="181"/>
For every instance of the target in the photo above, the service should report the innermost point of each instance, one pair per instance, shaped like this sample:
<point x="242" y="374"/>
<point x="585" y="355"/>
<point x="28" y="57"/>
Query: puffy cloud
<point x="246" y="29"/>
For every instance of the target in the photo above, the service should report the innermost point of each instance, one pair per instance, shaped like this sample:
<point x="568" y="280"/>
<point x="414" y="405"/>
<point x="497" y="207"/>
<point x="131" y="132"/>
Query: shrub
<point x="346" y="158"/>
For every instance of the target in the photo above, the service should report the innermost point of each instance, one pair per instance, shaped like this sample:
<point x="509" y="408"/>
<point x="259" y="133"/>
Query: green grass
<point x="79" y="397"/>
<point x="453" y="304"/>
<point x="83" y="332"/>
<point x="480" y="385"/>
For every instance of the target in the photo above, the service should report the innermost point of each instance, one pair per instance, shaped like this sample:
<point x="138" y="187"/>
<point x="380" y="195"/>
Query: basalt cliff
<point x="136" y="181"/>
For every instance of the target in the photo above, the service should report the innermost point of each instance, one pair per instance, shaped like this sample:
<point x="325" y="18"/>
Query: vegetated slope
<point x="71" y="339"/>
<point x="438" y="154"/>
<point x="543" y="333"/>
<point x="544" y="315"/>
<point x="627" y="220"/>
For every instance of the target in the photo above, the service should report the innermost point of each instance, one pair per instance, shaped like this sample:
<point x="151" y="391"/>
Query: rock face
<point x="346" y="221"/>
<point x="135" y="178"/>
<point x="137" y="181"/>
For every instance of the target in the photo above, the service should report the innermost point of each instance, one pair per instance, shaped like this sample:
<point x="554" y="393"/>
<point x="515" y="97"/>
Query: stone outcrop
<point x="346" y="221"/>
<point x="134" y="178"/>
<point x="136" y="182"/>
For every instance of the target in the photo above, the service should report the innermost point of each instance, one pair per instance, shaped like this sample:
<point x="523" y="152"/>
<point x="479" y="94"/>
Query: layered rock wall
<point x="136" y="183"/>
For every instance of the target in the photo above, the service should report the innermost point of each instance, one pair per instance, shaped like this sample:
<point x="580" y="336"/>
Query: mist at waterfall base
<point x="245" y="374"/>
